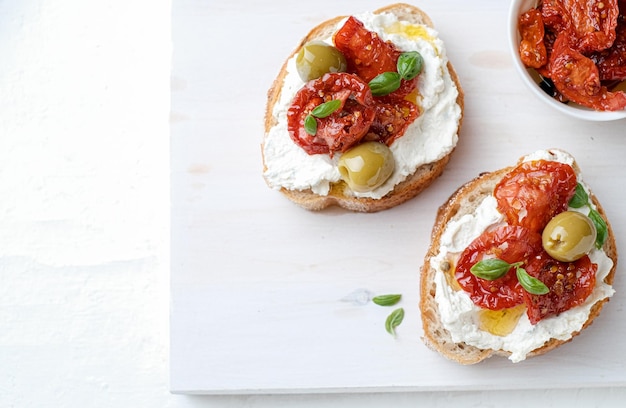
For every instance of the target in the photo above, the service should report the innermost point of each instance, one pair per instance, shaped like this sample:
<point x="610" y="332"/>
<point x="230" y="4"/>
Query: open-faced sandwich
<point x="522" y="259"/>
<point x="364" y="114"/>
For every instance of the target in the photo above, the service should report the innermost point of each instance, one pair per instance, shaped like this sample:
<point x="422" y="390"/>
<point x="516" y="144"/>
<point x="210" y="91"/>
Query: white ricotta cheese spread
<point x="458" y="313"/>
<point x="431" y="137"/>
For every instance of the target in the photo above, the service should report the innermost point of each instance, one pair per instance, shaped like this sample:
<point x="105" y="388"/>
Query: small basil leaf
<point x="385" y="83"/>
<point x="326" y="109"/>
<point x="386" y="300"/>
<point x="490" y="269"/>
<point x="580" y="197"/>
<point x="394" y="320"/>
<point x="310" y="125"/>
<point x="410" y="64"/>
<point x="601" y="227"/>
<point x="531" y="284"/>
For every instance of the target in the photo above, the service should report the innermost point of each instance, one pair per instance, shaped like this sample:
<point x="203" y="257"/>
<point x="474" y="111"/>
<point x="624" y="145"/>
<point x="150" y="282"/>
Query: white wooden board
<point x="267" y="297"/>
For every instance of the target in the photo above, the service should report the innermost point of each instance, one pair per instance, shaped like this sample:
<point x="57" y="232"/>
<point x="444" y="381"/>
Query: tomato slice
<point x="570" y="283"/>
<point x="508" y="243"/>
<point x="367" y="55"/>
<point x="594" y="23"/>
<point x="343" y="128"/>
<point x="577" y="78"/>
<point x="576" y="74"/>
<point x="612" y="62"/>
<point x="552" y="13"/>
<point x="393" y="116"/>
<point x="534" y="192"/>
<point x="588" y="25"/>
<point x="532" y="48"/>
<point x="548" y="41"/>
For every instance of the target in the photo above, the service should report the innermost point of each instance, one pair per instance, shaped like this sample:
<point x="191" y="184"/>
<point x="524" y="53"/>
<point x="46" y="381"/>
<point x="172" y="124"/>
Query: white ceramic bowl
<point x="517" y="8"/>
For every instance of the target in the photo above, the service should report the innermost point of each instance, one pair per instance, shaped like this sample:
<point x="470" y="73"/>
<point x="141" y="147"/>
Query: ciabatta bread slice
<point x="465" y="201"/>
<point x="339" y="193"/>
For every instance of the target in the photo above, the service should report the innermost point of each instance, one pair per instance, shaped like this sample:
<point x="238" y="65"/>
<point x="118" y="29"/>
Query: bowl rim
<point x="515" y="9"/>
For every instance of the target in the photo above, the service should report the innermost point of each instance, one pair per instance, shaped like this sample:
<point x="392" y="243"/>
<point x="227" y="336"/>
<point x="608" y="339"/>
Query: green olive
<point x="569" y="236"/>
<point x="366" y="166"/>
<point x="317" y="58"/>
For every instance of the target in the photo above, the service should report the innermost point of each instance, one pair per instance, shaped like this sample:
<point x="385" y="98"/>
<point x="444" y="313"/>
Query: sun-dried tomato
<point x="508" y="243"/>
<point x="577" y="78"/>
<point x="534" y="192"/>
<point x="612" y="62"/>
<point x="570" y="283"/>
<point x="552" y="13"/>
<point x="344" y="127"/>
<point x="367" y="55"/>
<point x="588" y="25"/>
<point x="393" y="116"/>
<point x="549" y="38"/>
<point x="532" y="48"/>
<point x="585" y="43"/>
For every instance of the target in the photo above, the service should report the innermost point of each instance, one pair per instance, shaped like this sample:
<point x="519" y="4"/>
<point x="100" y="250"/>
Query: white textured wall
<point x="84" y="104"/>
<point x="84" y="89"/>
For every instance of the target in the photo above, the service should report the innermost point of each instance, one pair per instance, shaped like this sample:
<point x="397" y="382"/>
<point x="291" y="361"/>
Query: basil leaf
<point x="394" y="320"/>
<point x="410" y="64"/>
<point x="601" y="227"/>
<point x="385" y="83"/>
<point x="491" y="269"/>
<point x="580" y="197"/>
<point x="326" y="109"/>
<point x="310" y="125"/>
<point x="531" y="284"/>
<point x="386" y="300"/>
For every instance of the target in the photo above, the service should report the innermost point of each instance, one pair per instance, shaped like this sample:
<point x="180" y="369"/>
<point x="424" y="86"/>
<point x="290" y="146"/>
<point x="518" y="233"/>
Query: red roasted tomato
<point x="570" y="283"/>
<point x="367" y="55"/>
<point x="534" y="192"/>
<point x="532" y="48"/>
<point x="552" y="13"/>
<point x="612" y="62"/>
<point x="588" y="25"/>
<point x="577" y="77"/>
<point x="508" y="243"/>
<point x="393" y="116"/>
<point x="343" y="128"/>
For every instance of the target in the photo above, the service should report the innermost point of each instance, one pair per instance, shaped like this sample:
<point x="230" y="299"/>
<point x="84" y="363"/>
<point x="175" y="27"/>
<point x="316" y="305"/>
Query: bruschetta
<point x="521" y="260"/>
<point x="364" y="114"/>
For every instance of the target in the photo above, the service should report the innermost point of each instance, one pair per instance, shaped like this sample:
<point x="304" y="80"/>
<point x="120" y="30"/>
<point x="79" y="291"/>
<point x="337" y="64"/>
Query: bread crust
<point x="462" y="202"/>
<point x="339" y="193"/>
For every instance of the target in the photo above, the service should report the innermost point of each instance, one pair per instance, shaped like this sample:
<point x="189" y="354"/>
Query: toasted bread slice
<point x="340" y="194"/>
<point x="465" y="201"/>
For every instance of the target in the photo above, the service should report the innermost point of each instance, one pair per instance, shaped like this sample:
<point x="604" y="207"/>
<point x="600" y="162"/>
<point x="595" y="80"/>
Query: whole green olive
<point x="317" y="58"/>
<point x="569" y="236"/>
<point x="366" y="166"/>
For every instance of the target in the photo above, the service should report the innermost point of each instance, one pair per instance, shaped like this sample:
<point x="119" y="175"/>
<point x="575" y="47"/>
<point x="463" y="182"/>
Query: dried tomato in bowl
<point x="579" y="49"/>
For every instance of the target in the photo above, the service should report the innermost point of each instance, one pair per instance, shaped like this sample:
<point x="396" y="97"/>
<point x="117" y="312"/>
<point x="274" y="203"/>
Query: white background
<point x="84" y="218"/>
